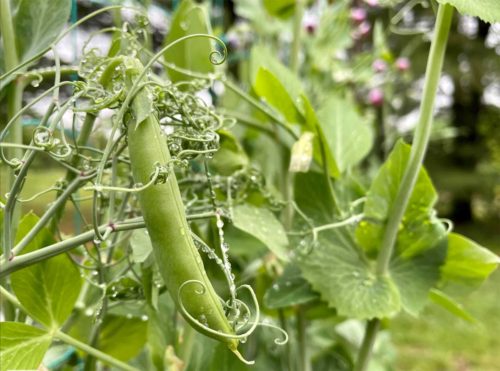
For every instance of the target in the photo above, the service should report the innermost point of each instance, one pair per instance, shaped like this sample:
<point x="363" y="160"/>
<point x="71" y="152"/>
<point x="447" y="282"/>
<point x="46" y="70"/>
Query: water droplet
<point x="144" y="317"/>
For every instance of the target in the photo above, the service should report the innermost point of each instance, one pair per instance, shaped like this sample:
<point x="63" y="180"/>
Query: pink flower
<point x="310" y="23"/>
<point x="379" y="65"/>
<point x="358" y="15"/>
<point x="372" y="3"/>
<point x="403" y="64"/>
<point x="376" y="97"/>
<point x="362" y="30"/>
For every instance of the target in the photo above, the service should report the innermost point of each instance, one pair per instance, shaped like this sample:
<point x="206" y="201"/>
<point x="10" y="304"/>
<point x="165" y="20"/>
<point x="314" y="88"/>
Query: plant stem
<point x="297" y="33"/>
<point x="417" y="154"/>
<point x="25" y="260"/>
<point x="422" y="134"/>
<point x="14" y="96"/>
<point x="103" y="357"/>
<point x="301" y="334"/>
<point x="366" y="349"/>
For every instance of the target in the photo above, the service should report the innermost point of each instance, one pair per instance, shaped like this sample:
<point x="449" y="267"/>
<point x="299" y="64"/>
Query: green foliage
<point x="22" y="347"/>
<point x="122" y="337"/>
<point x="37" y="24"/>
<point x="193" y="54"/>
<point x="49" y="289"/>
<point x="270" y="88"/>
<point x="348" y="136"/>
<point x="282" y="78"/>
<point x="289" y="289"/>
<point x="231" y="156"/>
<point x="141" y="246"/>
<point x="280" y="8"/>
<point x="487" y="10"/>
<point x="467" y="264"/>
<point x="420" y="227"/>
<point x="263" y="225"/>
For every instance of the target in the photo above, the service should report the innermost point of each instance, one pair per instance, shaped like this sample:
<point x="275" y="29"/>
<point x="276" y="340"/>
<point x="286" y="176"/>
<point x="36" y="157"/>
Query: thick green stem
<point x="25" y="260"/>
<point x="419" y="147"/>
<point x="14" y="94"/>
<point x="422" y="134"/>
<point x="103" y="357"/>
<point x="297" y="33"/>
<point x="366" y="349"/>
<point x="304" y="365"/>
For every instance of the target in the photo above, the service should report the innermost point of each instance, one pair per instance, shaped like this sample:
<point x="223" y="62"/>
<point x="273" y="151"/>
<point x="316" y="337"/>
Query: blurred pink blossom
<point x="379" y="65"/>
<point x="376" y="97"/>
<point x="403" y="64"/>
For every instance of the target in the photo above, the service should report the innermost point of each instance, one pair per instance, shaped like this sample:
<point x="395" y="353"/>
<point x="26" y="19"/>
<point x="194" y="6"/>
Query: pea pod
<point x="163" y="210"/>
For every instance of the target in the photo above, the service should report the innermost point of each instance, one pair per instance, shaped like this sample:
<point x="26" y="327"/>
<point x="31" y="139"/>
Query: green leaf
<point x="192" y="54"/>
<point x="280" y="8"/>
<point x="420" y="229"/>
<point x="122" y="337"/>
<point x="447" y="302"/>
<point x="141" y="245"/>
<point x="22" y="347"/>
<point x="37" y="23"/>
<point x="231" y="156"/>
<point x="487" y="10"/>
<point x="268" y="86"/>
<point x="313" y="198"/>
<point x="337" y="261"/>
<point x="467" y="262"/>
<point x="337" y="270"/>
<point x="289" y="289"/>
<point x="49" y="289"/>
<point x="262" y="57"/>
<point x="263" y="225"/>
<point x="414" y="277"/>
<point x="348" y="136"/>
<point x="320" y="142"/>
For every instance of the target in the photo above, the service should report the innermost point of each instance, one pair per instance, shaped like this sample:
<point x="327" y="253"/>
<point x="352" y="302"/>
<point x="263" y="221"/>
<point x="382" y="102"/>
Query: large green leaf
<point x="467" y="263"/>
<point x="263" y="225"/>
<point x="193" y="54"/>
<point x="420" y="228"/>
<point x="414" y="277"/>
<point x="487" y="10"/>
<point x="22" y="347"/>
<point x="347" y="134"/>
<point x="262" y="57"/>
<point x="268" y="87"/>
<point x="337" y="269"/>
<point x="345" y="277"/>
<point x="122" y="337"/>
<point x="48" y="290"/>
<point x="37" y="23"/>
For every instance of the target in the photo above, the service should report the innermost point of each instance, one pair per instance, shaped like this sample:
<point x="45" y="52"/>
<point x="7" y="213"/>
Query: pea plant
<point x="227" y="221"/>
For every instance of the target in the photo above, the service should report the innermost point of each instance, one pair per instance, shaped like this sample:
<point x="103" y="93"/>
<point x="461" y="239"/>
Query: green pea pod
<point x="163" y="210"/>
